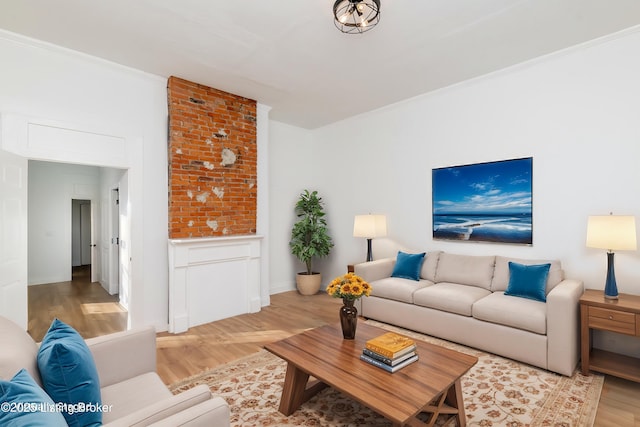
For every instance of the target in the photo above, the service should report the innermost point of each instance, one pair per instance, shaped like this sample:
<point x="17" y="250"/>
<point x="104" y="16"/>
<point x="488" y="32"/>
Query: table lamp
<point x="369" y="226"/>
<point x="611" y="232"/>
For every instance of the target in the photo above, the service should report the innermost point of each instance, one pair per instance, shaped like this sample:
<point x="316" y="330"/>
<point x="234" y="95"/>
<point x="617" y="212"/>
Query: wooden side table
<point x="621" y="316"/>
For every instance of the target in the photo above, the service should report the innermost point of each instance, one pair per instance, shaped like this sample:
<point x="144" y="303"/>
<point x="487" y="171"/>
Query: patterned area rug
<point x="497" y="392"/>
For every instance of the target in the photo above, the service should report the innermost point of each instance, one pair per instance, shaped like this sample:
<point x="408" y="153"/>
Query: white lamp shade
<point x="370" y="226"/>
<point x="612" y="232"/>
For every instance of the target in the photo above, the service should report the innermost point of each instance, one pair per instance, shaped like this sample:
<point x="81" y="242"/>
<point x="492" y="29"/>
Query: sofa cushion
<point x="450" y="297"/>
<point x="465" y="269"/>
<point x="19" y="351"/>
<point x="69" y="374"/>
<point x="501" y="275"/>
<point x="408" y="266"/>
<point x="430" y="265"/>
<point x="520" y="313"/>
<point x="23" y="390"/>
<point x="528" y="281"/>
<point x="131" y="395"/>
<point x="396" y="288"/>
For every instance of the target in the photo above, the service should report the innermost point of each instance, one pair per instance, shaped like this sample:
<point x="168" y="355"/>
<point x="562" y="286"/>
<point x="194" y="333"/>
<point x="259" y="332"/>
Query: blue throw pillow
<point x="408" y="266"/>
<point x="528" y="281"/>
<point x="24" y="403"/>
<point x="69" y="373"/>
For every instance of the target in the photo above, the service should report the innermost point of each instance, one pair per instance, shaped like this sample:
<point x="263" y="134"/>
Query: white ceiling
<point x="288" y="54"/>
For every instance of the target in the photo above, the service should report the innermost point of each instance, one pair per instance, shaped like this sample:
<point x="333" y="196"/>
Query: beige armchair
<point x="130" y="386"/>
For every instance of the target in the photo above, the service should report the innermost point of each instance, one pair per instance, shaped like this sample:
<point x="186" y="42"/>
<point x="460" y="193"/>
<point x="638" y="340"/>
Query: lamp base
<point x="610" y="287"/>
<point x="369" y="252"/>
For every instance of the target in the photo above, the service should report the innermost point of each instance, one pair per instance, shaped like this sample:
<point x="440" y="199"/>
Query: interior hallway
<point x="85" y="306"/>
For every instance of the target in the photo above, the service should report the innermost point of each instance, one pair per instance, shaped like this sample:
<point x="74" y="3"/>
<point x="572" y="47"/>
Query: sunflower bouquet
<point x="349" y="286"/>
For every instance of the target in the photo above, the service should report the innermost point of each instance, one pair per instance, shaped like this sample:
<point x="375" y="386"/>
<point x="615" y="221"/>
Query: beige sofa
<point x="130" y="386"/>
<point x="461" y="298"/>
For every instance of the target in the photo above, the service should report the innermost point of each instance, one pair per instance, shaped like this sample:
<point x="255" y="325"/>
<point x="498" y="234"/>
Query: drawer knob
<point x="610" y="317"/>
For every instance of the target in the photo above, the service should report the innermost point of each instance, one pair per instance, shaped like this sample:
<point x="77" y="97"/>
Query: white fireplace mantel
<point x="212" y="279"/>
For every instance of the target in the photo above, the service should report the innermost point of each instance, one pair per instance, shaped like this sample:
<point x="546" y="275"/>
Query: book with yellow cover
<point x="390" y="344"/>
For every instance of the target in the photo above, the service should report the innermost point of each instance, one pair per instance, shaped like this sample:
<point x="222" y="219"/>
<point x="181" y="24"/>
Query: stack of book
<point x="390" y="351"/>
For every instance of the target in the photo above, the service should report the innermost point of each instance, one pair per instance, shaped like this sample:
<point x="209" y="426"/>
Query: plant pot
<point x="308" y="284"/>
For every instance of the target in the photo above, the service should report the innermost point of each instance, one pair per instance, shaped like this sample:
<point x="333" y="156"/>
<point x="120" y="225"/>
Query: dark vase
<point x="348" y="319"/>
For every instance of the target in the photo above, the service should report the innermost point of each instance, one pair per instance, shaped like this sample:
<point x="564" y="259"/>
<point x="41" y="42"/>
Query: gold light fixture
<point x="356" y="16"/>
<point x="611" y="232"/>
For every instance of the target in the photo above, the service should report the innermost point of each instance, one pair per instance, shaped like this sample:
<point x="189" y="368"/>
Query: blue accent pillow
<point x="69" y="373"/>
<point x="24" y="403"/>
<point x="408" y="265"/>
<point x="528" y="281"/>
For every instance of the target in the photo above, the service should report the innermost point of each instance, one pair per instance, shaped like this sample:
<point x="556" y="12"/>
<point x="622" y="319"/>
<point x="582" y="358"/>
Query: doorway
<point x="39" y="248"/>
<point x="73" y="243"/>
<point x="81" y="237"/>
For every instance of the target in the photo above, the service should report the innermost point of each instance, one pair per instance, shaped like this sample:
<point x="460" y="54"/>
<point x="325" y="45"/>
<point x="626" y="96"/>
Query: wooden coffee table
<point x="431" y="385"/>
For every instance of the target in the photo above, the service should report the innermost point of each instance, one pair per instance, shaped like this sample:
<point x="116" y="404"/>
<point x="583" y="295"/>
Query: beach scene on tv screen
<point x="488" y="202"/>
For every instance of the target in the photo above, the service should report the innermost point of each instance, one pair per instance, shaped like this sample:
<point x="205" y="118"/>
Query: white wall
<point x="291" y="170"/>
<point x="52" y="186"/>
<point x="59" y="86"/>
<point x="575" y="112"/>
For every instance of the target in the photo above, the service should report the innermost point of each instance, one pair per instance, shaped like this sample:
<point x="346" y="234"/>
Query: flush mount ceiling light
<point x="356" y="16"/>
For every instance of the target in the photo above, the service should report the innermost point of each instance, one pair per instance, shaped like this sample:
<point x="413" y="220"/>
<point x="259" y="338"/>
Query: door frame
<point x="32" y="138"/>
<point x="90" y="245"/>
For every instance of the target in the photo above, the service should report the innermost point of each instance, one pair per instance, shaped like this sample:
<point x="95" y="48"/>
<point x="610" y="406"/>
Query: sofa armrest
<point x="375" y="270"/>
<point x="213" y="412"/>
<point x="165" y="408"/>
<point x="124" y="355"/>
<point x="563" y="326"/>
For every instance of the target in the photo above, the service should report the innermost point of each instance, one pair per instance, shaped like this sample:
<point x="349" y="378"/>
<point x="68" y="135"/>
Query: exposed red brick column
<point x="213" y="159"/>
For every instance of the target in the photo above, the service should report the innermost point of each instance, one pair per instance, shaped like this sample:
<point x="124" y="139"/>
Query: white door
<point x="89" y="249"/>
<point x="13" y="237"/>
<point x="96" y="265"/>
<point x="114" y="258"/>
<point x="85" y="233"/>
<point x="125" y="243"/>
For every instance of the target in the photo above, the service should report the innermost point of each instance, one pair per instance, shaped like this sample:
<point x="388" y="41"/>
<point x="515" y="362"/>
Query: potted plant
<point x="309" y="239"/>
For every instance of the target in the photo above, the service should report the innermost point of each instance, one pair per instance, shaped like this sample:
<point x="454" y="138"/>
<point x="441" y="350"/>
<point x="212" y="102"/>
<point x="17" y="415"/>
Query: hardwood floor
<point x="619" y="404"/>
<point x="216" y="343"/>
<point x="85" y="306"/>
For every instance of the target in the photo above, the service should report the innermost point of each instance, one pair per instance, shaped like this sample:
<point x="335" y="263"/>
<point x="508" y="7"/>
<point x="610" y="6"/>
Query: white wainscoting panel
<point x="212" y="279"/>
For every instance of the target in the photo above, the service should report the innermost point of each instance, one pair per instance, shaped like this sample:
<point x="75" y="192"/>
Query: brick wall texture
<point x="212" y="162"/>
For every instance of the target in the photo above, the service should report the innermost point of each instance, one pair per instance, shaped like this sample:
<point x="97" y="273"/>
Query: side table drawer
<point x="612" y="320"/>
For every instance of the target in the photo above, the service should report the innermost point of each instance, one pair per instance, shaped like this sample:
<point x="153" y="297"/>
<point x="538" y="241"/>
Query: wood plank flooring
<point x="207" y="346"/>
<point x="84" y="305"/>
<point x="215" y="343"/>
